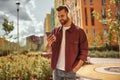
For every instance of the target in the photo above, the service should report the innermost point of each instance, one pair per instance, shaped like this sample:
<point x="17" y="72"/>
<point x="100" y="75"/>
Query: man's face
<point x="63" y="17"/>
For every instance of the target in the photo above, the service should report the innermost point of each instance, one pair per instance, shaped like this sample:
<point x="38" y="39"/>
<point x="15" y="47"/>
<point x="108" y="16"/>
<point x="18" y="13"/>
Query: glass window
<point x="84" y="1"/>
<point x="86" y="22"/>
<point x="87" y="31"/>
<point x="93" y="32"/>
<point x="94" y="42"/>
<point x="105" y="43"/>
<point x="105" y="32"/>
<point x="92" y="17"/>
<point x="75" y="2"/>
<point x="116" y="15"/>
<point x="103" y="16"/>
<point x="103" y="13"/>
<point x="103" y="2"/>
<point x="91" y="2"/>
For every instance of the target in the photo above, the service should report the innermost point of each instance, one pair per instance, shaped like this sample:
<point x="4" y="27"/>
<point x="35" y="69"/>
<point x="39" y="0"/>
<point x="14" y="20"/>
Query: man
<point x="69" y="47"/>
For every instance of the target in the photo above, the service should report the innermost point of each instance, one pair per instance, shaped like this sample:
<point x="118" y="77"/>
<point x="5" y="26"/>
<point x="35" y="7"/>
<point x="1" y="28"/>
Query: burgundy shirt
<point x="76" y="46"/>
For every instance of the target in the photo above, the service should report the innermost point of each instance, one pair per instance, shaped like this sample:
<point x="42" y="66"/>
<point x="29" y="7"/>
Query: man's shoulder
<point x="78" y="28"/>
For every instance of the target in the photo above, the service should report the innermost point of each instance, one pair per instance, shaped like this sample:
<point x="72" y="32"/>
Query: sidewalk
<point x="88" y="72"/>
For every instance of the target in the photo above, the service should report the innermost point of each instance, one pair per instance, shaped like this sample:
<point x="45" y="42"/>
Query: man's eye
<point x="62" y="15"/>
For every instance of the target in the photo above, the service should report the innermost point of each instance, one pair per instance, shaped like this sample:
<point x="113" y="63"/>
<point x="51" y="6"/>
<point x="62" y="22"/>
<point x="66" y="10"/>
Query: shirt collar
<point x="72" y="27"/>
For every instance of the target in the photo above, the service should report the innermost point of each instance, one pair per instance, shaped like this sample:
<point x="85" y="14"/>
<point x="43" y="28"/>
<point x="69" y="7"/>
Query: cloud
<point x="33" y="3"/>
<point x="31" y="16"/>
<point x="10" y="7"/>
<point x="31" y="29"/>
<point x="38" y="27"/>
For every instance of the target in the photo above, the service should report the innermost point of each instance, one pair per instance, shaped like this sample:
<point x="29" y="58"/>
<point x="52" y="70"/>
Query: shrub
<point x="103" y="54"/>
<point x="105" y="48"/>
<point x="25" y="67"/>
<point x="5" y="52"/>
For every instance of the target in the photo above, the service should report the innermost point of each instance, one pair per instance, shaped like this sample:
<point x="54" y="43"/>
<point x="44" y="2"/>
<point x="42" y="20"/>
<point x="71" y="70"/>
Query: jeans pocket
<point x="73" y="72"/>
<point x="71" y="75"/>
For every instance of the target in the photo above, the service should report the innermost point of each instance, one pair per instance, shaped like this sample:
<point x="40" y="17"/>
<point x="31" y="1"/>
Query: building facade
<point x="33" y="43"/>
<point x="3" y="44"/>
<point x="74" y="10"/>
<point x="56" y="4"/>
<point x="81" y="12"/>
<point x="47" y="23"/>
<point x="7" y="45"/>
<point x="52" y="21"/>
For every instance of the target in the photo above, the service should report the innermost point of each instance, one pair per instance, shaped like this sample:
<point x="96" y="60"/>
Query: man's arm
<point x="78" y="66"/>
<point x="83" y="48"/>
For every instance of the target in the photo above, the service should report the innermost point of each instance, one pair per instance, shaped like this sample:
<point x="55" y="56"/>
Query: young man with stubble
<point x="69" y="46"/>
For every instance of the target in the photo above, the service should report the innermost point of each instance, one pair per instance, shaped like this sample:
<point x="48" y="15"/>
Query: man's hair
<point x="59" y="8"/>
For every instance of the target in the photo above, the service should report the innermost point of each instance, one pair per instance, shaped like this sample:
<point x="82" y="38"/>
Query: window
<point x="94" y="42"/>
<point x="93" y="32"/>
<point x="103" y="13"/>
<point x="103" y="16"/>
<point x="103" y="2"/>
<point x="86" y="22"/>
<point x="105" y="43"/>
<point x="84" y="1"/>
<point x="92" y="17"/>
<point x="87" y="31"/>
<point x="75" y="2"/>
<point x="105" y="32"/>
<point x="91" y="2"/>
<point x="117" y="15"/>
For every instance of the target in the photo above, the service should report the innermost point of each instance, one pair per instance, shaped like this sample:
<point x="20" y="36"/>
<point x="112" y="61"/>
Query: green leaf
<point x="109" y="12"/>
<point x="7" y="26"/>
<point x="95" y="14"/>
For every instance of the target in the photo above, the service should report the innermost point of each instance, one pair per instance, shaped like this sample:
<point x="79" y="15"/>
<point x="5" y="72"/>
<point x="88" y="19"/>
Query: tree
<point x="114" y="24"/>
<point x="7" y="26"/>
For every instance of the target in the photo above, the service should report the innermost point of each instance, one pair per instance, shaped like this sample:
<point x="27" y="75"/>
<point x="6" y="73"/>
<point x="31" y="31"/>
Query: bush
<point x="103" y="54"/>
<point x="25" y="67"/>
<point x="105" y="48"/>
<point x="5" y="52"/>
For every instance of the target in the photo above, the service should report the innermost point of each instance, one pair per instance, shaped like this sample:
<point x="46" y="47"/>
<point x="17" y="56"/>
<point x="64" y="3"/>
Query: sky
<point x="32" y="14"/>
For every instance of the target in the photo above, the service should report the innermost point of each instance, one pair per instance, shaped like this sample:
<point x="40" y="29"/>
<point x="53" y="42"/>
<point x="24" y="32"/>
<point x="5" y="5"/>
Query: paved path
<point x="87" y="72"/>
<point x="105" y="60"/>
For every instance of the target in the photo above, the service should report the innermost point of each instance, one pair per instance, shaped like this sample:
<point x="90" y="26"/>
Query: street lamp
<point x="18" y="4"/>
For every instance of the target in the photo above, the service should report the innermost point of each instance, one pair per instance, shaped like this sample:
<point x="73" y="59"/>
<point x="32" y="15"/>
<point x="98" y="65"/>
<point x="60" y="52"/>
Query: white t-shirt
<point x="61" y="59"/>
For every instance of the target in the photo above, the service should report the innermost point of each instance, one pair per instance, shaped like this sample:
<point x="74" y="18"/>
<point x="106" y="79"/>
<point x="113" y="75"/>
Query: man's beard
<point x="63" y="22"/>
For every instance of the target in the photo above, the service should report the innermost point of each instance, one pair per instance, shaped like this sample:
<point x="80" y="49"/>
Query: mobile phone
<point x="48" y="33"/>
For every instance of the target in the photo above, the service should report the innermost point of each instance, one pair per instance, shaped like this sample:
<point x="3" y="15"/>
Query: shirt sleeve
<point x="83" y="45"/>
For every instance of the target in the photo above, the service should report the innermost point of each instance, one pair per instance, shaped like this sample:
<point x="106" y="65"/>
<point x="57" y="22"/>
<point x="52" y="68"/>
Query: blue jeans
<point x="62" y="75"/>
